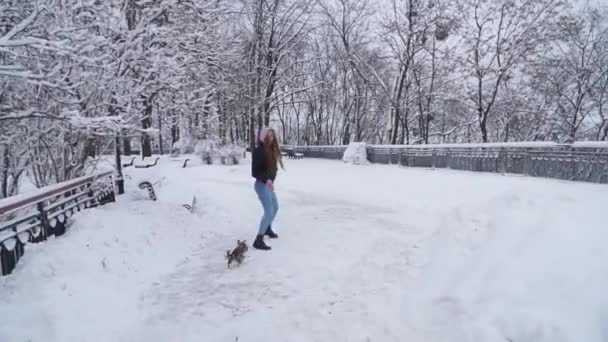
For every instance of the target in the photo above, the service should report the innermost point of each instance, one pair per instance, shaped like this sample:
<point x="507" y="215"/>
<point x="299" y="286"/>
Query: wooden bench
<point x="293" y="155"/>
<point x="184" y="161"/>
<point x="145" y="166"/>
<point x="145" y="185"/>
<point x="130" y="163"/>
<point x="190" y="207"/>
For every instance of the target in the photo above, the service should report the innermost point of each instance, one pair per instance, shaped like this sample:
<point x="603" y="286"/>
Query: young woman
<point x="264" y="166"/>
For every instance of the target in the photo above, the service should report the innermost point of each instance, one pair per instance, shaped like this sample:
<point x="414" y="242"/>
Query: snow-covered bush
<point x="207" y="150"/>
<point x="185" y="145"/>
<point x="210" y="151"/>
<point x="230" y="154"/>
<point x="356" y="153"/>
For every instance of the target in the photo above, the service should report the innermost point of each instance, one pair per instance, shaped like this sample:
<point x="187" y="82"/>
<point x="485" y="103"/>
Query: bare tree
<point x="498" y="37"/>
<point x="575" y="73"/>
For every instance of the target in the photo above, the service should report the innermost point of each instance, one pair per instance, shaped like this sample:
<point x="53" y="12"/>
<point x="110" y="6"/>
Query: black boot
<point x="259" y="243"/>
<point x="270" y="233"/>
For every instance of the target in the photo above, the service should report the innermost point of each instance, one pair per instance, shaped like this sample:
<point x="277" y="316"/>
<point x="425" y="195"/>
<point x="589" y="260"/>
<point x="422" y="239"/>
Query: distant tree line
<point x="77" y="76"/>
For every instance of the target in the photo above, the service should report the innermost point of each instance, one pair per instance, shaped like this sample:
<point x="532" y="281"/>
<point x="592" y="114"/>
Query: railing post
<point x="502" y="167"/>
<point x="572" y="163"/>
<point x="45" y="226"/>
<point x="526" y="168"/>
<point x="113" y="191"/>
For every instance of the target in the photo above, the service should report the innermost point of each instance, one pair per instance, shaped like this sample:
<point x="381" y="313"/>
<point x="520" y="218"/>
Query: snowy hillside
<point x="377" y="253"/>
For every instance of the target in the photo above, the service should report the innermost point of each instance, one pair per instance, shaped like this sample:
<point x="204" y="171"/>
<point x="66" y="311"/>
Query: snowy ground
<point x="366" y="253"/>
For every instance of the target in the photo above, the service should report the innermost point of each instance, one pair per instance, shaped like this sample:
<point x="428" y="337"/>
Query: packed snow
<point x="379" y="253"/>
<point x="356" y="153"/>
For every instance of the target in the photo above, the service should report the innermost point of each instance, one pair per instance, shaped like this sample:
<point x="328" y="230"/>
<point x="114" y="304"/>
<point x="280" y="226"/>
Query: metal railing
<point x="32" y="218"/>
<point x="586" y="162"/>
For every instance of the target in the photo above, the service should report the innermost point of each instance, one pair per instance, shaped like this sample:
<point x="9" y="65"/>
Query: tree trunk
<point x="5" y="167"/>
<point x="89" y="148"/>
<point x="119" y="178"/>
<point x="397" y="96"/>
<point x="345" y="108"/>
<point x="146" y="122"/>
<point x="484" y="129"/>
<point x="252" y="134"/>
<point x="282" y="115"/>
<point x="197" y="121"/>
<point x="160" y="132"/>
<point x="233" y="126"/>
<point x="113" y="111"/>
<point x="481" y="113"/>
<point x="221" y="112"/>
<point x="206" y="114"/>
<point x="130" y="15"/>
<point x="174" y="131"/>
<point x="298" y="127"/>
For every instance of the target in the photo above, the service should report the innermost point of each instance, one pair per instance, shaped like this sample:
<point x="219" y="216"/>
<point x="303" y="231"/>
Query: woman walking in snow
<point x="264" y="166"/>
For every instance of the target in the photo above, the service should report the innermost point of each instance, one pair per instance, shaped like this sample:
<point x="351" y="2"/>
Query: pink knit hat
<point x="263" y="134"/>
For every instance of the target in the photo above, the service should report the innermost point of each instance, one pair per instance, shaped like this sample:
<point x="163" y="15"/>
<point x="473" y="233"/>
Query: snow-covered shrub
<point x="230" y="154"/>
<point x="236" y="153"/>
<point x="207" y="150"/>
<point x="185" y="145"/>
<point x="210" y="150"/>
<point x="224" y="155"/>
<point x="356" y="153"/>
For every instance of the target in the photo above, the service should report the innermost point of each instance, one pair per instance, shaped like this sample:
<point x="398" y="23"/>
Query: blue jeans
<point x="269" y="203"/>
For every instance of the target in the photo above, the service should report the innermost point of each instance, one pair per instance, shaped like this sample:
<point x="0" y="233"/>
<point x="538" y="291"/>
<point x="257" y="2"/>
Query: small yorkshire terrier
<point x="238" y="253"/>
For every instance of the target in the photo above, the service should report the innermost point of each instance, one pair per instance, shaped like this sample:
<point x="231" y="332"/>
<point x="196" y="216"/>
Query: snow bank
<point x="356" y="153"/>
<point x="86" y="285"/>
<point x="506" y="272"/>
<point x="590" y="144"/>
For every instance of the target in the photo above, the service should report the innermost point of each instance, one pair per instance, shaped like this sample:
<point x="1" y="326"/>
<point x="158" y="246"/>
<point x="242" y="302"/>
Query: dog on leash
<point x="238" y="253"/>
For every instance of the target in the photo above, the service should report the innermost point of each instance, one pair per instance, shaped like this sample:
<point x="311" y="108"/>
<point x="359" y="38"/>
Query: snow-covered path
<point x="313" y="279"/>
<point x="366" y="253"/>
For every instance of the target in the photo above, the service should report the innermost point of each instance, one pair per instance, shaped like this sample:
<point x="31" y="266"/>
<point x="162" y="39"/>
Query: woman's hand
<point x="270" y="185"/>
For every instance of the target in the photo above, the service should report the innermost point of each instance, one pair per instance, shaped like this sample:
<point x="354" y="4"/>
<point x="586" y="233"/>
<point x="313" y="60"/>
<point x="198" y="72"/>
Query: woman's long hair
<point x="273" y="152"/>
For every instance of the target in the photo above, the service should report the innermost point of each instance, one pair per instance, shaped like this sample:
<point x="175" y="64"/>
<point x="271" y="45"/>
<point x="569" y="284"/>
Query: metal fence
<point x="32" y="218"/>
<point x="577" y="162"/>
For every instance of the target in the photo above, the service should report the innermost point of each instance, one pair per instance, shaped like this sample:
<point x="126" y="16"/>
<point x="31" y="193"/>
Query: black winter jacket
<point x="259" y="166"/>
